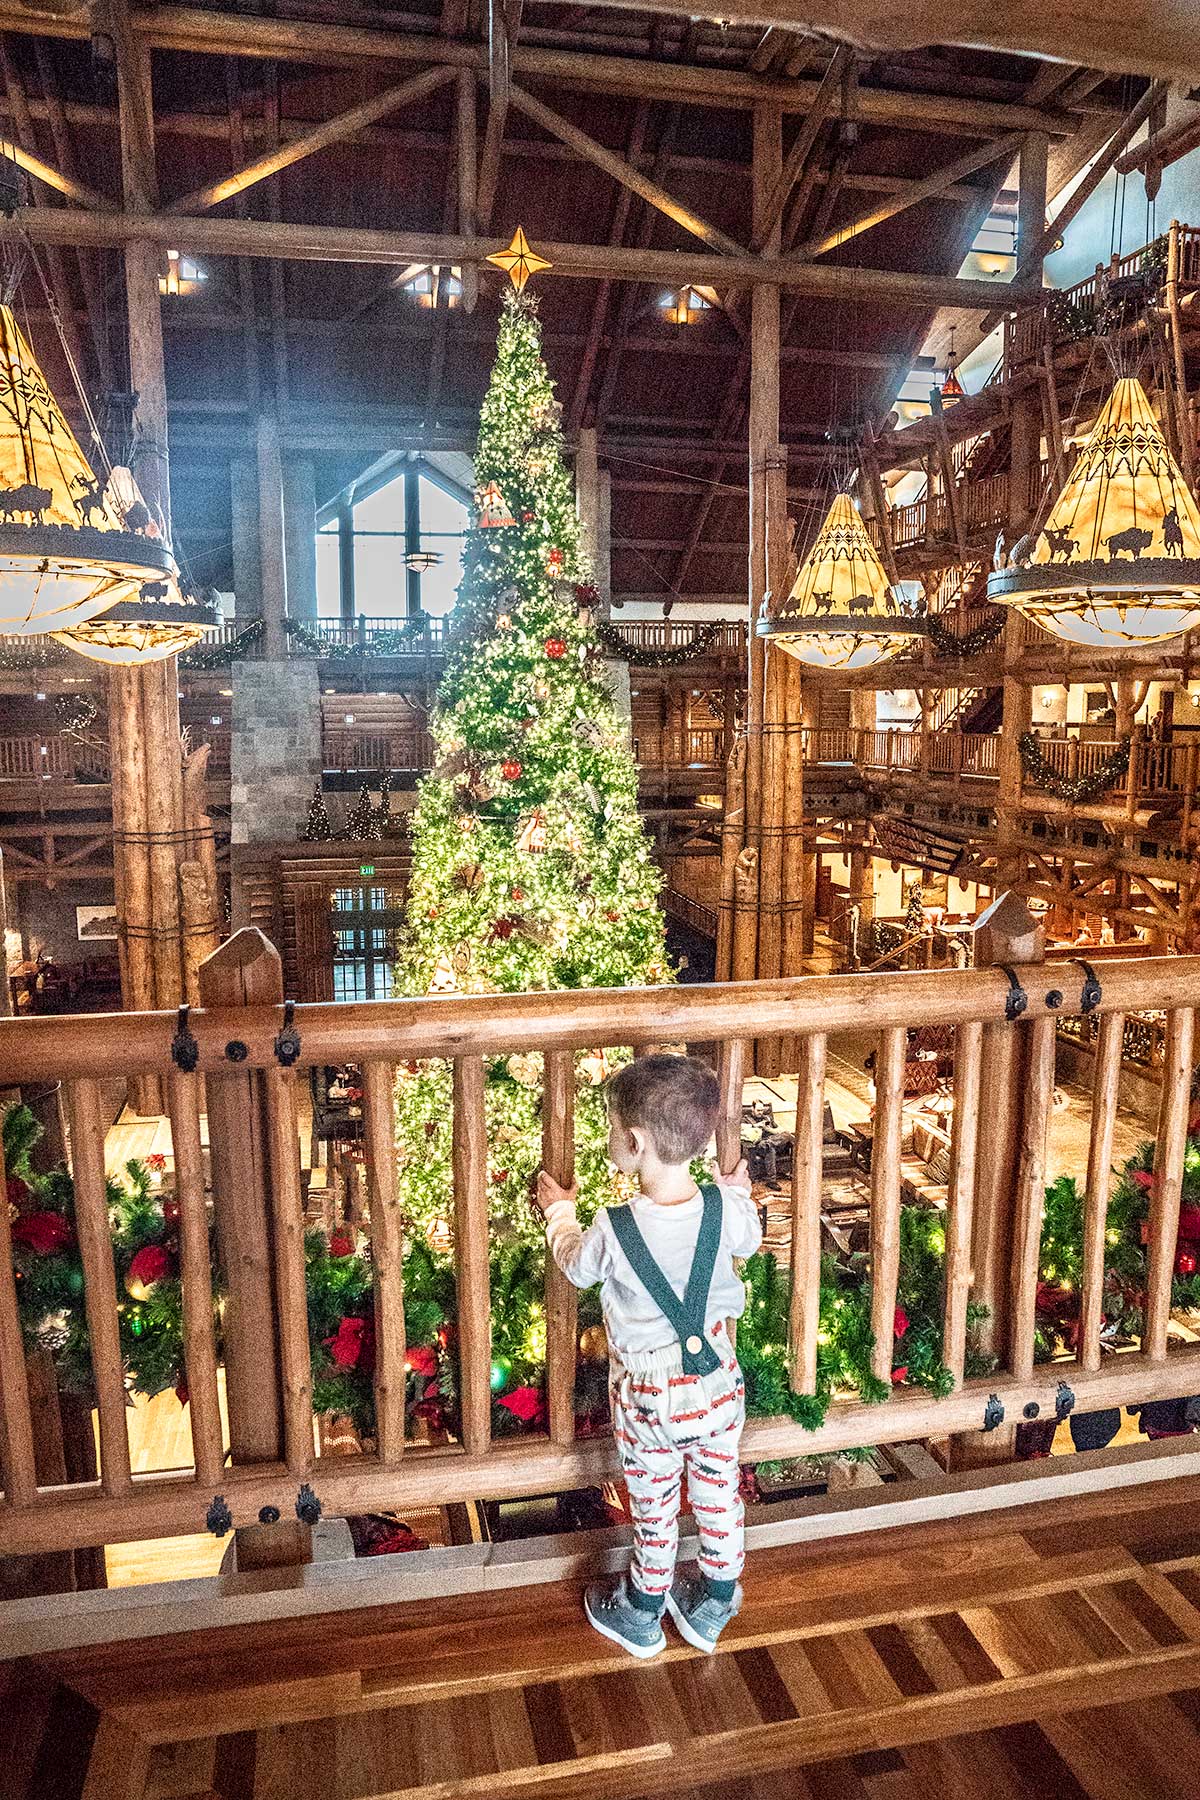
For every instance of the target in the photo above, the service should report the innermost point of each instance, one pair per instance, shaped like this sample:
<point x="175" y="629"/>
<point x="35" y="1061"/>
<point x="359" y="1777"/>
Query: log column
<point x="272" y="567"/>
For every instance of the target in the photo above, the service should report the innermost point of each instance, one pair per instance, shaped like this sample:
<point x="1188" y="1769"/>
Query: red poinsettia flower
<point x="899" y="1375"/>
<point x="1143" y="1177"/>
<point x="17" y="1191"/>
<point x="527" y="1404"/>
<point x="422" y="1360"/>
<point x="43" y="1233"/>
<point x="394" y="1542"/>
<point x="354" y="1345"/>
<point x="149" y="1264"/>
<point x="341" y="1244"/>
<point x="1189" y="1223"/>
<point x="156" y="1161"/>
<point x="899" y="1322"/>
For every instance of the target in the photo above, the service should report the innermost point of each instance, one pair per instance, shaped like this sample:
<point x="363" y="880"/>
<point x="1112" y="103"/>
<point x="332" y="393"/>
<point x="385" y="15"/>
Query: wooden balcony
<point x="402" y="1471"/>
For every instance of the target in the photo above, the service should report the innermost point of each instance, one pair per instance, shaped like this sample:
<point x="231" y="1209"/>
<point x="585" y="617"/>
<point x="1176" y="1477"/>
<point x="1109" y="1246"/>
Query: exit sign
<point x="366" y="868"/>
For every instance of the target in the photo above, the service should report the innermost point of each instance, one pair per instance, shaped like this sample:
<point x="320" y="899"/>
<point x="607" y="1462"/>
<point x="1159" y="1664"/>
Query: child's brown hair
<point x="675" y="1100"/>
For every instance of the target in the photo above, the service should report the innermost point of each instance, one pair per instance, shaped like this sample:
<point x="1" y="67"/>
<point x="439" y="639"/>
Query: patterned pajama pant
<point x="669" y="1425"/>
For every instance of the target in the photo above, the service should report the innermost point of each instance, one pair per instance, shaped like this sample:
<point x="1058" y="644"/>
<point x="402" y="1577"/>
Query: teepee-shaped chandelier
<point x="841" y="613"/>
<point x="69" y="547"/>
<point x="143" y="630"/>
<point x="1118" y="560"/>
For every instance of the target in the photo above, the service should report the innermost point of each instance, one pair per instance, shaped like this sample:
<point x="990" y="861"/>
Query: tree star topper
<point x="519" y="262"/>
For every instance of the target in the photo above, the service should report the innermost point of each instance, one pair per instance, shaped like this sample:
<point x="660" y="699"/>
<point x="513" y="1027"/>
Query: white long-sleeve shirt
<point x="634" y="1323"/>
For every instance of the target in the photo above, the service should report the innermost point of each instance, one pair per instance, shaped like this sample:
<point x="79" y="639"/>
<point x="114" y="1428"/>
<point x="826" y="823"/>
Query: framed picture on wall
<point x="93" y="922"/>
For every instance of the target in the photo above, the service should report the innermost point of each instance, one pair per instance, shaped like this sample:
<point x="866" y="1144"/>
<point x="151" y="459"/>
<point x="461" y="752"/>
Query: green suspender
<point x="687" y="1316"/>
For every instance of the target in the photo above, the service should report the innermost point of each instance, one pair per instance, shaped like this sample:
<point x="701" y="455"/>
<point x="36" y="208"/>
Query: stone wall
<point x="275" y="756"/>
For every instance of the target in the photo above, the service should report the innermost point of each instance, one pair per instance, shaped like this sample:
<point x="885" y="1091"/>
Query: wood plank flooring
<point x="1059" y="1660"/>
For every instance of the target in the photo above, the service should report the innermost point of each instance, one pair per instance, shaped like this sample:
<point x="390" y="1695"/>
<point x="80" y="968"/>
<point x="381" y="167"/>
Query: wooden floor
<point x="1058" y="1656"/>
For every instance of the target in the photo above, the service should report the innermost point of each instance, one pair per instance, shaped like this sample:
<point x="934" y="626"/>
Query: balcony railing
<point x="991" y="1075"/>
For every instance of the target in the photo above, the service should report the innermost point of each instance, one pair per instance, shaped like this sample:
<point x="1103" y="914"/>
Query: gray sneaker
<point x="611" y="1612"/>
<point x="700" y="1618"/>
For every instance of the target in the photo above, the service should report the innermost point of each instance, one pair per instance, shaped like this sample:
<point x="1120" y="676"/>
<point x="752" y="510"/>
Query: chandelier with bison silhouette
<point x="72" y="545"/>
<point x="1118" y="560"/>
<point x="841" y="612"/>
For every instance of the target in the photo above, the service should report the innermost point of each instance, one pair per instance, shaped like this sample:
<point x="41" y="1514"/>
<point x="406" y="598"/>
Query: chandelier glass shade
<point x="69" y="547"/>
<point x="1117" y="562"/>
<point x="841" y="612"/>
<point x="139" y="631"/>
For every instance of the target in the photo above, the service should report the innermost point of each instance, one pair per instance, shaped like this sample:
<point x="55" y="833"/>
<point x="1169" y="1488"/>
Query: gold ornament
<point x="593" y="1344"/>
<point x="519" y="262"/>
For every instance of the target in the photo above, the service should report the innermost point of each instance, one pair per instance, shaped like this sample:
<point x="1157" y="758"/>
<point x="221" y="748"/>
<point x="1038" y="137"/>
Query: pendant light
<point x="69" y="549"/>
<point x="143" y="630"/>
<point x="952" y="389"/>
<point x="1117" y="562"/>
<point x="841" y="612"/>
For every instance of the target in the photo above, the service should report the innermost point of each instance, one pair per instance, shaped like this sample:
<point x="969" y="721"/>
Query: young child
<point x="668" y="1284"/>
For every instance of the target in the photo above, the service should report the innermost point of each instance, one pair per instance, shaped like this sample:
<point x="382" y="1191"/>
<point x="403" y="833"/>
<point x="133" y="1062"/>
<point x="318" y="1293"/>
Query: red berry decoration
<point x="518" y="893"/>
<point x="1185" y="1262"/>
<point x="527" y="517"/>
<point x="555" y="559"/>
<point x="499" y="1176"/>
<point x="510" y="768"/>
<point x="556" y="648"/>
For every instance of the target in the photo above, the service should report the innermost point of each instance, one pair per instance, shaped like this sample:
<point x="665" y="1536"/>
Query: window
<point x="365" y="923"/>
<point x="366" y="547"/>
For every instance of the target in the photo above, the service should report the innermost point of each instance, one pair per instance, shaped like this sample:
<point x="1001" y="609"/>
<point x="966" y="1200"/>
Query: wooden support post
<point x="1030" y="1199"/>
<point x="1106" y="1088"/>
<point x="467" y="172"/>
<point x="199" y="1325"/>
<point x="885" y="1196"/>
<point x="733" y="831"/>
<point x="18" y="1469"/>
<point x="1179" y="385"/>
<point x="1169" y="1148"/>
<point x="471" y="1255"/>
<point x="968" y="1048"/>
<point x="245" y="971"/>
<point x="88" y="1121"/>
<point x="1005" y="935"/>
<point x="562" y="1311"/>
<point x="804" y="1313"/>
<point x="1032" y="176"/>
<point x="387" y="1259"/>
<point x="271" y="538"/>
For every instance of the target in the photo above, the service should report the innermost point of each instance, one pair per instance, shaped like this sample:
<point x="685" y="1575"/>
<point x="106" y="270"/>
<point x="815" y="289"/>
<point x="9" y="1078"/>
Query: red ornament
<point x="518" y="893"/>
<point x="354" y="1345"/>
<point x="1185" y="1262"/>
<point x="510" y="768"/>
<point x="527" y="1404"/>
<point x="527" y="517"/>
<point x="556" y="648"/>
<point x="554" y="559"/>
<point x="147" y="1267"/>
<point x="44" y="1233"/>
<point x="341" y="1244"/>
<point x="170" y="1210"/>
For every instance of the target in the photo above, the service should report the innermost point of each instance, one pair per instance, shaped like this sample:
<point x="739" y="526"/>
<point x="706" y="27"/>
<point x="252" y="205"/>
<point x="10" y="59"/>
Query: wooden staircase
<point x="1050" y="1651"/>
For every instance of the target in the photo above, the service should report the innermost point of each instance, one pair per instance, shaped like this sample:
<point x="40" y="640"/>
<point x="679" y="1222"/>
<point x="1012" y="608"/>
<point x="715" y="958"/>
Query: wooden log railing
<point x="471" y="1030"/>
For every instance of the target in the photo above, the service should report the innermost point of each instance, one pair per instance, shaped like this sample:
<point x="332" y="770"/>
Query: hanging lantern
<point x="421" y="561"/>
<point x="145" y="630"/>
<point x="841" y="613"/>
<point x="952" y="389"/>
<point x="1118" y="559"/>
<point x="68" y="549"/>
<point x="492" y="507"/>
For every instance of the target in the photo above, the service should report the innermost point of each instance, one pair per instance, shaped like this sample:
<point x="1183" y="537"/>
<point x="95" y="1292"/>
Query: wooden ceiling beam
<point x="620" y="219"/>
<point x="1156" y="38"/>
<point x="625" y="173"/>
<point x="353" y="244"/>
<point x="504" y="23"/>
<point x="326" y="45"/>
<point x="827" y="97"/>
<point x="332" y="131"/>
<point x="931" y="188"/>
<point x="25" y="158"/>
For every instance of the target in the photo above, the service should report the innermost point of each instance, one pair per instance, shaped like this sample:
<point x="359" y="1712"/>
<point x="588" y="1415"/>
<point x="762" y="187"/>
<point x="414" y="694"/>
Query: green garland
<point x="946" y="643"/>
<point x="384" y="643"/>
<point x="33" y="653"/>
<point x="1077" y="789"/>
<point x="703" y="639"/>
<point x="219" y="656"/>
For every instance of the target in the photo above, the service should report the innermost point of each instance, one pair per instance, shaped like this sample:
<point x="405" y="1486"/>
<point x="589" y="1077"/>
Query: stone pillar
<point x="275" y="752"/>
<point x="299" y="536"/>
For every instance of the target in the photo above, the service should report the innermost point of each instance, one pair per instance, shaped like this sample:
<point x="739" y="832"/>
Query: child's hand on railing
<point x="548" y="1192"/>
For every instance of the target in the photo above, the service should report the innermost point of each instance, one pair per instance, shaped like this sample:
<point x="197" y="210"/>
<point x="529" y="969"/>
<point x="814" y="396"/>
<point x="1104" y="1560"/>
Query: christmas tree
<point x="317" y="829"/>
<point x="361" y="822"/>
<point x="531" y="869"/>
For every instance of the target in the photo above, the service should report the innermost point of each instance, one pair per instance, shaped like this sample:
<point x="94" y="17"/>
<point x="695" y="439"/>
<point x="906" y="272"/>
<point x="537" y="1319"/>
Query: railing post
<point x="1006" y="935"/>
<point x="245" y="971"/>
